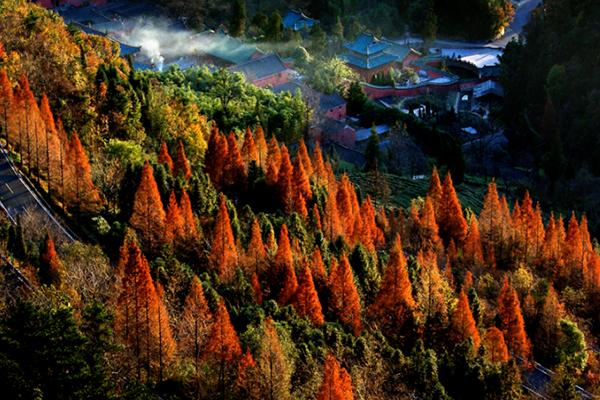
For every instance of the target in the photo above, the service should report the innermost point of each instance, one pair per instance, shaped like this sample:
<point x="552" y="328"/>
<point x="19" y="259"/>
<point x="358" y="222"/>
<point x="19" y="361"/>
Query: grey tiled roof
<point x="260" y="68"/>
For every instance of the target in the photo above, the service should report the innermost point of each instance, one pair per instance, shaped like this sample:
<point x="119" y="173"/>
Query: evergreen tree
<point x="237" y="24"/>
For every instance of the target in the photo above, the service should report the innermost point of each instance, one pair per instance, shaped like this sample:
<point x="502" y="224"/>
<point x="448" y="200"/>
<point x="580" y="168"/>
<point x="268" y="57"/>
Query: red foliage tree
<point x="344" y="301"/>
<point x="148" y="216"/>
<point x="165" y="158"/>
<point x="195" y="323"/>
<point x="51" y="268"/>
<point x="6" y="100"/>
<point x="223" y="342"/>
<point x="307" y="302"/>
<point x="336" y="384"/>
<point x="394" y="304"/>
<point x="261" y="147"/>
<point x="462" y="323"/>
<point x="142" y="322"/>
<point x="217" y="157"/>
<point x="174" y="221"/>
<point x="182" y="165"/>
<point x="289" y="287"/>
<point x="81" y="191"/>
<point x="451" y="221"/>
<point x="319" y="165"/>
<point x="513" y="325"/>
<point x="435" y="191"/>
<point x="303" y="155"/>
<point x="273" y="162"/>
<point x="285" y="184"/>
<point x="256" y="254"/>
<point x="190" y="228"/>
<point x="249" y="150"/>
<point x="495" y="347"/>
<point x="331" y="219"/>
<point x="472" y="251"/>
<point x="223" y="255"/>
<point x="301" y="180"/>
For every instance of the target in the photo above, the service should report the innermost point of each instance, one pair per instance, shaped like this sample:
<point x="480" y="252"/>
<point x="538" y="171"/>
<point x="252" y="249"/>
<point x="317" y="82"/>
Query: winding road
<point x="18" y="196"/>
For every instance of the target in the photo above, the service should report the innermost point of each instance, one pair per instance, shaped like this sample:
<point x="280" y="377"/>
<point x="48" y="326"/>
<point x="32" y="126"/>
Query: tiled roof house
<point x="369" y="56"/>
<point x="297" y="21"/>
<point x="265" y="71"/>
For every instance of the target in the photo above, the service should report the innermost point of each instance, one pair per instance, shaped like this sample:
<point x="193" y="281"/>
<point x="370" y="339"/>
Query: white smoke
<point x="162" y="44"/>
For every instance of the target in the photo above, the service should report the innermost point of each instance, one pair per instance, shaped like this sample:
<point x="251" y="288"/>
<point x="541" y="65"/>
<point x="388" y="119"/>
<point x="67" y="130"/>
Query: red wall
<point x="338" y="113"/>
<point x="273" y="80"/>
<point x="377" y="92"/>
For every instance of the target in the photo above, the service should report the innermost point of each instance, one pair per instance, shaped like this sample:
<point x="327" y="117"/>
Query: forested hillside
<point x="471" y="19"/>
<point x="551" y="81"/>
<point x="223" y="257"/>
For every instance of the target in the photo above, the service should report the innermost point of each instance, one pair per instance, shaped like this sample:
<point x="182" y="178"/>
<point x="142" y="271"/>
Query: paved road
<point x="519" y="21"/>
<point x="18" y="197"/>
<point x="522" y="13"/>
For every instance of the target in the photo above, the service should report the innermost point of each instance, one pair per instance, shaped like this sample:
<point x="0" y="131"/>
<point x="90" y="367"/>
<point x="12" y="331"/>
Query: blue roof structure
<point x="297" y="21"/>
<point x="368" y="62"/>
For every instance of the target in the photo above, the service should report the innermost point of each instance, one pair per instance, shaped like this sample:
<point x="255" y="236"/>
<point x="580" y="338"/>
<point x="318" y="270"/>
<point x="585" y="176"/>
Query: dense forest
<point x="472" y="19"/>
<point x="552" y="84"/>
<point x="222" y="256"/>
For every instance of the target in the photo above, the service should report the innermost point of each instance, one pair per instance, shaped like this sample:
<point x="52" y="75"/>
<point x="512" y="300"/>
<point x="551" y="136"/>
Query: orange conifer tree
<point x="223" y="348"/>
<point x="261" y="147"/>
<point x="223" y="255"/>
<point x="81" y="191"/>
<point x="51" y="144"/>
<point x="344" y="301"/>
<point x="319" y="165"/>
<point x="462" y="323"/>
<point x="256" y="254"/>
<point x="331" y="218"/>
<point x="513" y="325"/>
<point x="472" y="251"/>
<point x="495" y="347"/>
<point x="249" y="150"/>
<point x="217" y="156"/>
<point x="285" y="181"/>
<point x="182" y="165"/>
<point x="235" y="170"/>
<point x="273" y="162"/>
<point x="451" y="221"/>
<point x="190" y="228"/>
<point x="301" y="181"/>
<point x="306" y="162"/>
<point x="6" y="101"/>
<point x="51" y="268"/>
<point x="394" y="304"/>
<point x="336" y="384"/>
<point x="142" y="322"/>
<point x="435" y="191"/>
<point x="194" y="324"/>
<point x="174" y="221"/>
<point x="289" y="287"/>
<point x="148" y="216"/>
<point x="307" y="302"/>
<point x="165" y="158"/>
